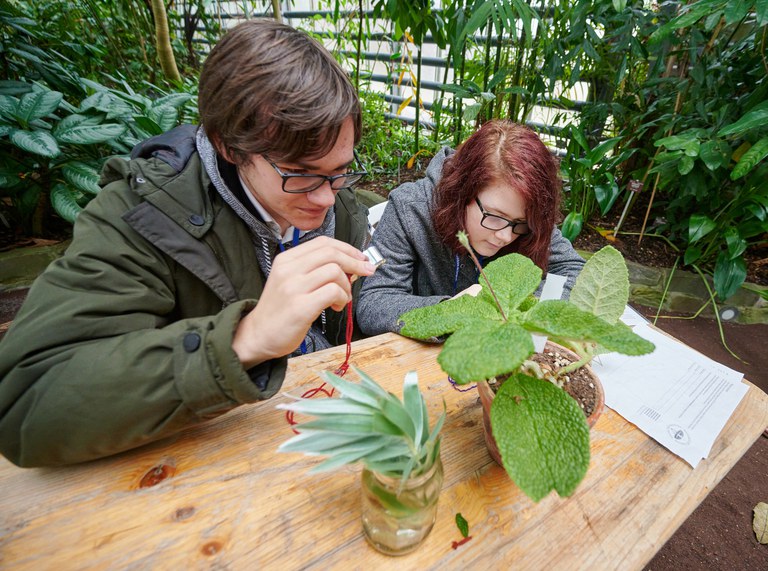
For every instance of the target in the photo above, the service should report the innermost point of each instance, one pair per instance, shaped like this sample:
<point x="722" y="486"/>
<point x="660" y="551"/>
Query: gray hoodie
<point x="419" y="269"/>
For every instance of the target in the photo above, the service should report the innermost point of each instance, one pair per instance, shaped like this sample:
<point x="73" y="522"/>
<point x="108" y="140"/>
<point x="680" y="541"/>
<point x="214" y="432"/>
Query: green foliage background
<point x="677" y="100"/>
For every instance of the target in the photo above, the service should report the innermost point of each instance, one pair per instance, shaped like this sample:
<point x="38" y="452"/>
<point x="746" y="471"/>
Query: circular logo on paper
<point x="678" y="434"/>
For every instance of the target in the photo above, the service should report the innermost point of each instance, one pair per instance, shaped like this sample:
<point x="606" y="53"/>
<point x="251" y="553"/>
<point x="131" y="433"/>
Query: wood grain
<point x="231" y="501"/>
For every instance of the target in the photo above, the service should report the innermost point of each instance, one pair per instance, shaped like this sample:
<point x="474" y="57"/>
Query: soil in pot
<point x="580" y="384"/>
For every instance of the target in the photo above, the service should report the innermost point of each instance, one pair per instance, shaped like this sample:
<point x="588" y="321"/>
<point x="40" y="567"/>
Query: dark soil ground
<point x="718" y="535"/>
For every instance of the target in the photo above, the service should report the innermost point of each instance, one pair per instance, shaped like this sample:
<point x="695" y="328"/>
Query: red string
<point x="341" y="371"/>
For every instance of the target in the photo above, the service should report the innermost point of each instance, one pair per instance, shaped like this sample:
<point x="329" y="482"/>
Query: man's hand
<point x="303" y="282"/>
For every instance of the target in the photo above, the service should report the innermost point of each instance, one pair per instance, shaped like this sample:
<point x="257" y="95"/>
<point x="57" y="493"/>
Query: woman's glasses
<point x="496" y="223"/>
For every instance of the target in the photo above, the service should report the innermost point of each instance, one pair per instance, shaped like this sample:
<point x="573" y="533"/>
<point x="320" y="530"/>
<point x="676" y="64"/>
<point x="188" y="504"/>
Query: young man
<point x="171" y="305"/>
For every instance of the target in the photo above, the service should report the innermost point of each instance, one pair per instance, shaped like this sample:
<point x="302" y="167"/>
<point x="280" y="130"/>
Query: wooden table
<point x="231" y="501"/>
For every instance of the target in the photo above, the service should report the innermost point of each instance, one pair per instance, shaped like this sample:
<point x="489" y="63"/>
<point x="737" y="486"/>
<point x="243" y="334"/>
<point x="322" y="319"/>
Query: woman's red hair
<point x="501" y="151"/>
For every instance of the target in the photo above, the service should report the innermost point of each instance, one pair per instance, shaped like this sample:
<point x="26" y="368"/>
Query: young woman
<point x="502" y="187"/>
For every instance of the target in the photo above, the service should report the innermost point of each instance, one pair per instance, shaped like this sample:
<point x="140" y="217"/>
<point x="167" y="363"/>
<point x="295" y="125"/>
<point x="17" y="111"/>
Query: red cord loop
<point x="341" y="371"/>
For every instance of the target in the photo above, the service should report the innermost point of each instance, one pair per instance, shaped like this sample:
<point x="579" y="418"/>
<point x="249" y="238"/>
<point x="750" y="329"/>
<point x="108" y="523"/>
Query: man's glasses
<point x="496" y="223"/>
<point x="295" y="183"/>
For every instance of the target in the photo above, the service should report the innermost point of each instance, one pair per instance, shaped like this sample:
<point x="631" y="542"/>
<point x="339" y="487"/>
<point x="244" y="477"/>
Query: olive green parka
<point x="128" y="337"/>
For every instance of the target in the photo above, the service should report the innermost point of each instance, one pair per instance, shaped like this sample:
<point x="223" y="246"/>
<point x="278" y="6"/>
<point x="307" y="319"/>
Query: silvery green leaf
<point x="370" y="384"/>
<point x="356" y="392"/>
<point x="393" y="410"/>
<point x="393" y="450"/>
<point x="326" y="406"/>
<point x="339" y="459"/>
<point x="318" y="442"/>
<point x="602" y="287"/>
<point x="413" y="404"/>
<point x="359" y="423"/>
<point x="437" y="428"/>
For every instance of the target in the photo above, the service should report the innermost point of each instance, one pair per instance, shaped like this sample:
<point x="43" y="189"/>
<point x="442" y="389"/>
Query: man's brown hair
<point x="269" y="89"/>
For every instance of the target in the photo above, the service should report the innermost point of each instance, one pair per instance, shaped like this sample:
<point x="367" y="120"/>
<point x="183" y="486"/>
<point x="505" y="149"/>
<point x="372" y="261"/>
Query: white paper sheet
<point x="553" y="289"/>
<point x="675" y="395"/>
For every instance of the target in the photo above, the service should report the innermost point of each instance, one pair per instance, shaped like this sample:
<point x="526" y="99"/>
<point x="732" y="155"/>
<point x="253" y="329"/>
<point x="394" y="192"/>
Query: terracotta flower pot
<point x="487" y="395"/>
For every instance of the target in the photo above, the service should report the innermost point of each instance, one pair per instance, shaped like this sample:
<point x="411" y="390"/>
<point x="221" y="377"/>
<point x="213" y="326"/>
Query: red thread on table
<point x="341" y="371"/>
<point x="456" y="544"/>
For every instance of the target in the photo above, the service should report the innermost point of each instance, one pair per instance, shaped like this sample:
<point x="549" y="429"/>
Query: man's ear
<point x="221" y="149"/>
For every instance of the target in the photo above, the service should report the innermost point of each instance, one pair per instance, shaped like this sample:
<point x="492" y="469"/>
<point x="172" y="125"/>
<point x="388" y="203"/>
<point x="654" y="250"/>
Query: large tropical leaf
<point x="752" y="119"/>
<point x="37" y="142"/>
<point x="90" y="134"/>
<point x="749" y="160"/>
<point x="729" y="275"/>
<point x="82" y="176"/>
<point x="699" y="226"/>
<point x="36" y="105"/>
<point x="64" y="202"/>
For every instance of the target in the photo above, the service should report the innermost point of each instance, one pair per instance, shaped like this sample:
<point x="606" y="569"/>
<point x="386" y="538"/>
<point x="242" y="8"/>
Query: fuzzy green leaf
<point x="513" y="277"/>
<point x="485" y="349"/>
<point x="542" y="435"/>
<point x="564" y="322"/>
<point x="446" y="317"/>
<point x="602" y="287"/>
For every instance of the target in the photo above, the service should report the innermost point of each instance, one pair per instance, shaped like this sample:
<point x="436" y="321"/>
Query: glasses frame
<point x="510" y="223"/>
<point x="287" y="176"/>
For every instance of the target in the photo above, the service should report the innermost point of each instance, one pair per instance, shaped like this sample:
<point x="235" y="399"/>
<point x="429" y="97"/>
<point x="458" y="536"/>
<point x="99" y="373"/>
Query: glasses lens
<point x="302" y="183"/>
<point x="346" y="181"/>
<point x="521" y="228"/>
<point x="494" y="222"/>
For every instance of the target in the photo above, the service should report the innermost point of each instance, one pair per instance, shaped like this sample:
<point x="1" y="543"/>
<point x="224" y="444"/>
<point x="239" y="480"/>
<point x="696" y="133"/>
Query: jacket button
<point x="140" y="180"/>
<point x="191" y="342"/>
<point x="196" y="220"/>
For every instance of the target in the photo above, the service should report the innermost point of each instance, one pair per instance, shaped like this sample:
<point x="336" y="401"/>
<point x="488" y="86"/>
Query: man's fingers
<point x="310" y="255"/>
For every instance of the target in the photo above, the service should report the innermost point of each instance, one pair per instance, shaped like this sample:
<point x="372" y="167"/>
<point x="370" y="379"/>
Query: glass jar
<point x="395" y="523"/>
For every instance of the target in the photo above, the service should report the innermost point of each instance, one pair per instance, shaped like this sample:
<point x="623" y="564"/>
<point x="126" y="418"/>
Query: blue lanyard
<point x="294" y="243"/>
<point x="456" y="273"/>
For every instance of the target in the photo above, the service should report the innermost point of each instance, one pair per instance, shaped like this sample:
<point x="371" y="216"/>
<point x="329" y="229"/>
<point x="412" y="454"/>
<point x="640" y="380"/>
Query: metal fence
<point x="389" y="67"/>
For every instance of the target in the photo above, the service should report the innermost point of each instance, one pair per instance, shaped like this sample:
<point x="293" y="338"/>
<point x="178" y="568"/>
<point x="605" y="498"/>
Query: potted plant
<point x="402" y="474"/>
<point x="541" y="433"/>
